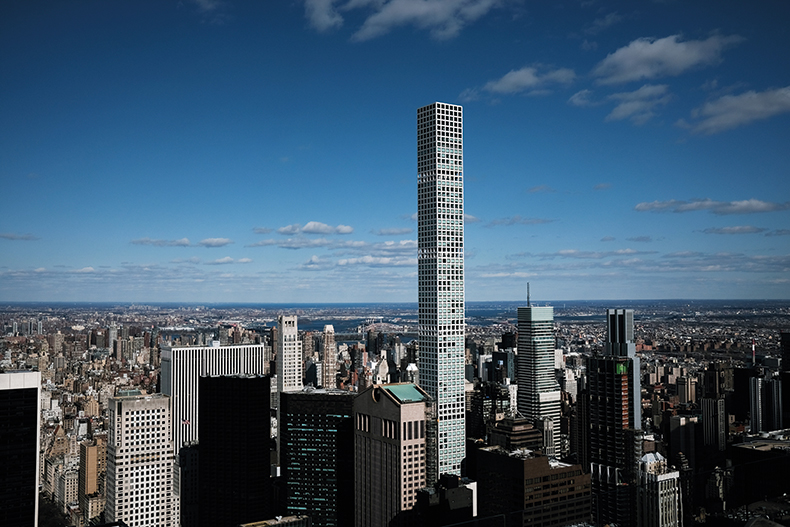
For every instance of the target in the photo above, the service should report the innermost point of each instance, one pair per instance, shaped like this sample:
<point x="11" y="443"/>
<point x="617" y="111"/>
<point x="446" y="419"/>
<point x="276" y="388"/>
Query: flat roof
<point x="406" y="392"/>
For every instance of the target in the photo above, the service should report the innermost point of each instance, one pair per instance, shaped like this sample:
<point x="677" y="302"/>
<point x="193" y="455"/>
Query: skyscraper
<point x="391" y="435"/>
<point x="20" y="407"/>
<point x="234" y="458"/>
<point x="182" y="368"/>
<point x="440" y="224"/>
<point x="140" y="461"/>
<point x="329" y="370"/>
<point x="317" y="455"/>
<point x="614" y="413"/>
<point x="289" y="355"/>
<point x="538" y="392"/>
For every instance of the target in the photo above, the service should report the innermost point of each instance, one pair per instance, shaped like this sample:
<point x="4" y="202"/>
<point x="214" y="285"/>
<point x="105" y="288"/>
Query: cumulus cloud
<point x="529" y="79"/>
<point x="392" y="232"/>
<point x="261" y="230"/>
<point x="215" y="242"/>
<point x="293" y="243"/>
<point x="650" y="58"/>
<point x="443" y="18"/>
<point x="582" y="98"/>
<point x="779" y="232"/>
<point x="740" y="229"/>
<point x="580" y="255"/>
<point x="748" y="206"/>
<point x="638" y="105"/>
<point x="314" y="227"/>
<point x="641" y="239"/>
<point x="732" y="111"/>
<point x="229" y="260"/>
<point x="468" y="218"/>
<point x="84" y="270"/>
<point x="183" y="242"/>
<point x="608" y="239"/>
<point x="322" y="14"/>
<point x="17" y="237"/>
<point x="379" y="261"/>
<point x="517" y="220"/>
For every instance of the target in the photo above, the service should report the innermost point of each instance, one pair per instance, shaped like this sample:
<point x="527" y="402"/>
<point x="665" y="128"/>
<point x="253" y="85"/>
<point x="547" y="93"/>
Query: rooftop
<point x="406" y="392"/>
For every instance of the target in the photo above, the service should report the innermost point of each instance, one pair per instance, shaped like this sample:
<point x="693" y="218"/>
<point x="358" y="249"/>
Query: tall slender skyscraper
<point x="440" y="223"/>
<point x="538" y="392"/>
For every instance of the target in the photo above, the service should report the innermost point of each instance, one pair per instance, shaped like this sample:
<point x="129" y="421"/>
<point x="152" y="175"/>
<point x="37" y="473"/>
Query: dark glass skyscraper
<point x="19" y="444"/>
<point x="317" y="455"/>
<point x="233" y="455"/>
<point x="614" y="417"/>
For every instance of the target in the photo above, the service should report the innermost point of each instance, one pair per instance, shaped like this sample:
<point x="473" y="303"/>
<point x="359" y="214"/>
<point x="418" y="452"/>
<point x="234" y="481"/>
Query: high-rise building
<point x="714" y="423"/>
<point x="234" y="458"/>
<point x="140" y="461"/>
<point x="526" y="488"/>
<point x="756" y="404"/>
<point x="289" y="355"/>
<point x="20" y="408"/>
<point x="538" y="392"/>
<point x="317" y="455"/>
<point x="613" y="414"/>
<point x="440" y="258"/>
<point x="391" y="438"/>
<point x="329" y="370"/>
<point x="182" y="368"/>
<point x="658" y="493"/>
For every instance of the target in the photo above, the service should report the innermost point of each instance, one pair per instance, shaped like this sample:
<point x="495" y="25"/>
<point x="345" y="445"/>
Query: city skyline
<point x="221" y="151"/>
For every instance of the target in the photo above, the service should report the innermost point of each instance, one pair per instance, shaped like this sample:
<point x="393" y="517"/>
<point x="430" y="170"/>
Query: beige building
<point x="389" y="450"/>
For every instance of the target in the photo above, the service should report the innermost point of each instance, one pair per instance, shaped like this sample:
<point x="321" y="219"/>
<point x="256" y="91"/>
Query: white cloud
<point x="529" y="78"/>
<point x="293" y="243"/>
<point x="215" y="242"/>
<point x="261" y="230"/>
<point x="322" y="14"/>
<point x="393" y="232"/>
<point x="221" y="261"/>
<point x="84" y="270"/>
<point x="640" y="239"/>
<point x="732" y="111"/>
<point x="183" y="242"/>
<point x="748" y="206"/>
<point x="582" y="98"/>
<point x="638" y="105"/>
<point x="517" y="220"/>
<point x="315" y="227"/>
<point x="443" y="18"/>
<point x="650" y="58"/>
<point x="740" y="229"/>
<point x="379" y="261"/>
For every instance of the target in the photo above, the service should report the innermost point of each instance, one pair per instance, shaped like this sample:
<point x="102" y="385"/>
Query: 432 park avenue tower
<point x="440" y="223"/>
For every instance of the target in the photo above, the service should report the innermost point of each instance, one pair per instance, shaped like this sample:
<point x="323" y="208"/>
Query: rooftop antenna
<point x="527" y="294"/>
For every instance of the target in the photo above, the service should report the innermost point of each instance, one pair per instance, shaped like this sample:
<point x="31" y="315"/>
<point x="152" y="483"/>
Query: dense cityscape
<point x="712" y="427"/>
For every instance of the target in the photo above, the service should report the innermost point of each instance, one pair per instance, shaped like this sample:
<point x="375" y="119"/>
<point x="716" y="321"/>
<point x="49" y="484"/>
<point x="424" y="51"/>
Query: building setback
<point x="390" y="452"/>
<point x="182" y="368"/>
<point x="234" y="457"/>
<point x="316" y="455"/>
<point x="440" y="259"/>
<point x="538" y="392"/>
<point x="530" y="489"/>
<point x="658" y="493"/>
<point x="20" y="408"/>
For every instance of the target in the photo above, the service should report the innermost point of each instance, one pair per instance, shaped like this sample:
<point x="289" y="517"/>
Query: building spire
<point x="527" y="294"/>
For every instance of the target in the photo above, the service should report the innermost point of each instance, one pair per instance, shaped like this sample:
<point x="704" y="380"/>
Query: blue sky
<point x="228" y="151"/>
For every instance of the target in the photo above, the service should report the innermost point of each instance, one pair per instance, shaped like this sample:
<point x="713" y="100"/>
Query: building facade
<point x="234" y="459"/>
<point x="538" y="391"/>
<point x="182" y="368"/>
<point x="289" y="355"/>
<point x="329" y="360"/>
<point x="390" y="452"/>
<point x="140" y="461"/>
<point x="659" y="501"/>
<point x="316" y="455"/>
<point x="440" y="237"/>
<point x="614" y="416"/>
<point x="20" y="408"/>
